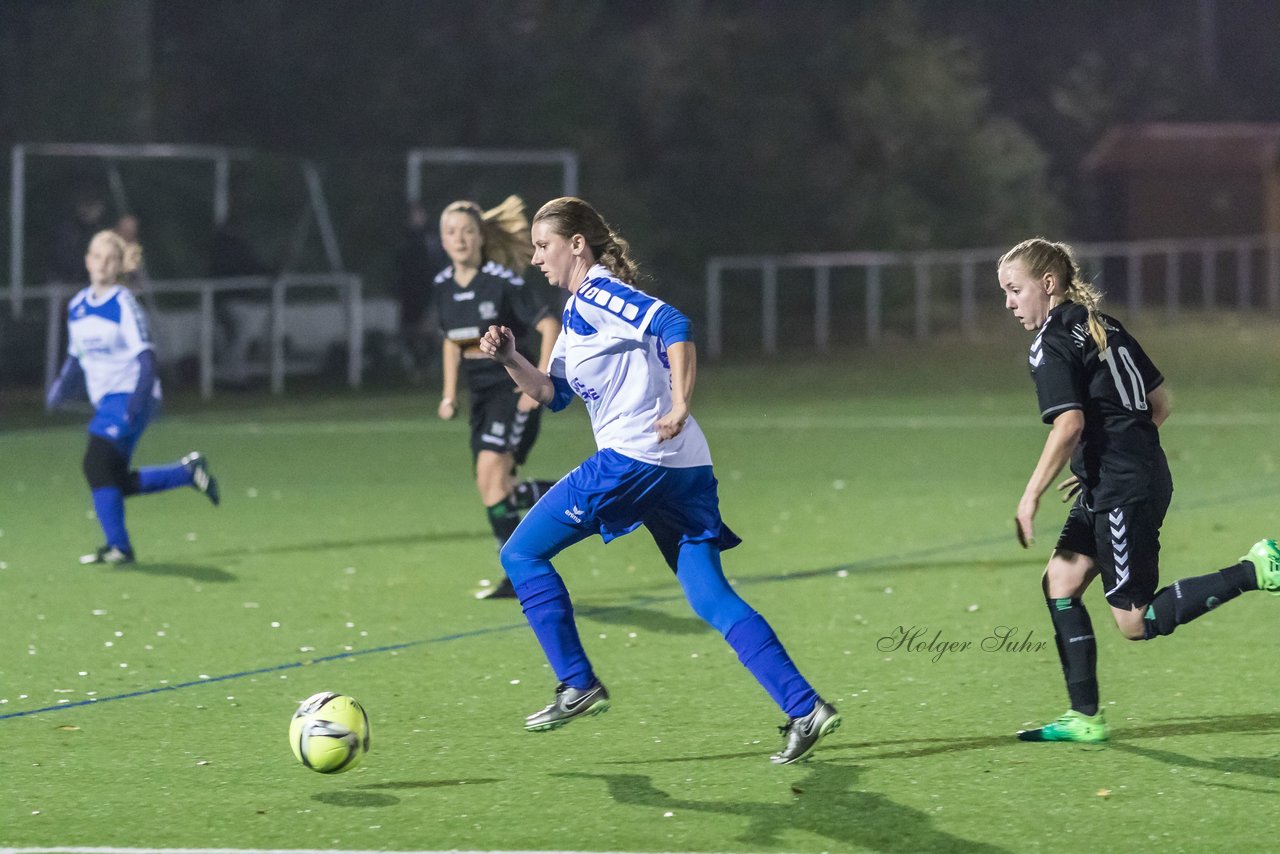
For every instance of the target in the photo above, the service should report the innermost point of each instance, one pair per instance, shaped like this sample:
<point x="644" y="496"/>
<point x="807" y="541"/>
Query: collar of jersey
<point x="597" y="271"/>
<point x="89" y="297"/>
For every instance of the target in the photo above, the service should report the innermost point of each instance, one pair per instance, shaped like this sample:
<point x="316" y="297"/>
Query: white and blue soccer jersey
<point x="609" y="357"/>
<point x="106" y="335"/>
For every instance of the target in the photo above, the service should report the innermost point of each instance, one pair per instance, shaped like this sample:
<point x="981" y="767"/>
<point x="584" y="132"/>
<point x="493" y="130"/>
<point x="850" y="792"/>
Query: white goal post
<point x="565" y="158"/>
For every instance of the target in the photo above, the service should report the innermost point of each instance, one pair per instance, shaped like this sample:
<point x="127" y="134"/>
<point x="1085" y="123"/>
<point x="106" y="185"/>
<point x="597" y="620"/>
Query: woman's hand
<point x="1025" y="520"/>
<point x="498" y="343"/>
<point x="1069" y="488"/>
<point x="670" y="425"/>
<point x="447" y="409"/>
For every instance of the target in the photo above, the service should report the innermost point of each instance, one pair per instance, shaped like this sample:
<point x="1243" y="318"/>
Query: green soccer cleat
<point x="1265" y="557"/>
<point x="1072" y="726"/>
<point x="569" y="703"/>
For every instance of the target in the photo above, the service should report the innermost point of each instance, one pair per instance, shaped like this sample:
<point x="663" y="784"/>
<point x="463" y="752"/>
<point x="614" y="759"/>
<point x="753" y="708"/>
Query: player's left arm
<point x="137" y="337"/>
<point x="677" y="336"/>
<point x="1158" y="400"/>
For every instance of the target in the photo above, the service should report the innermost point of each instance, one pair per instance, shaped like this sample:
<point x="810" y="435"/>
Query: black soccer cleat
<point x="501" y="590"/>
<point x="201" y="480"/>
<point x="108" y="554"/>
<point x="803" y="733"/>
<point x="569" y="703"/>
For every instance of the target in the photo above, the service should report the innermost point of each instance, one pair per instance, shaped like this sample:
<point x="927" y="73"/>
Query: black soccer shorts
<point x="498" y="425"/>
<point x="1124" y="543"/>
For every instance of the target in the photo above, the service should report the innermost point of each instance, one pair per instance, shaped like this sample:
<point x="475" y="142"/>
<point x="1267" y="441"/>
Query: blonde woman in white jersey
<point x="110" y="358"/>
<point x="631" y="359"/>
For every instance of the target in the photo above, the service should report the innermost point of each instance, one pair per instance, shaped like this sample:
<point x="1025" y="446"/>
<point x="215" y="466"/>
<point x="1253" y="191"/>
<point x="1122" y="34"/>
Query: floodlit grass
<point x="148" y="706"/>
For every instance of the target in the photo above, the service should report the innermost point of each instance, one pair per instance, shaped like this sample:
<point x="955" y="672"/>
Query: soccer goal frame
<point x="219" y="157"/>
<point x="416" y="158"/>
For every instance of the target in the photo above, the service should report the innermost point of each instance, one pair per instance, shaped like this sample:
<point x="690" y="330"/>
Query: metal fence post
<point x="715" y="346"/>
<point x="1133" y="277"/>
<point x="968" y="306"/>
<point x="277" y="336"/>
<point x="1172" y="283"/>
<point x="822" y="308"/>
<point x="1209" y="276"/>
<point x="1273" y="273"/>
<point x="17" y="192"/>
<point x="206" y="341"/>
<point x="922" y="300"/>
<point x="873" y="304"/>
<point x="1244" y="276"/>
<point x="355" y="327"/>
<point x="53" y="333"/>
<point x="769" y="300"/>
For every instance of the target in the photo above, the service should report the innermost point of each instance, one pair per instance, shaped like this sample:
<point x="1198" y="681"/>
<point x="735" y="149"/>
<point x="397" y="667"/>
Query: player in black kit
<point x="482" y="287"/>
<point x="1105" y="401"/>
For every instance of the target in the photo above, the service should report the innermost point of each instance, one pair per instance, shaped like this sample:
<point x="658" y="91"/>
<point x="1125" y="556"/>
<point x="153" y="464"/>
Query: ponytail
<point x="569" y="216"/>
<point x="130" y="253"/>
<point x="1041" y="256"/>
<point x="505" y="230"/>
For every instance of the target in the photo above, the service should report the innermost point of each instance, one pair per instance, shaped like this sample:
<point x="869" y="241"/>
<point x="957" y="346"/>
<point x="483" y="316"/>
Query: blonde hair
<point x="569" y="216"/>
<point x="130" y="253"/>
<point x="1041" y="256"/>
<point x="505" y="230"/>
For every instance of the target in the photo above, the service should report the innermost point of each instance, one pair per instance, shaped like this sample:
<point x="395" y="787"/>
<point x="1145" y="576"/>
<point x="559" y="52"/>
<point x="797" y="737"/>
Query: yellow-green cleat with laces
<point x="1265" y="557"/>
<point x="1072" y="726"/>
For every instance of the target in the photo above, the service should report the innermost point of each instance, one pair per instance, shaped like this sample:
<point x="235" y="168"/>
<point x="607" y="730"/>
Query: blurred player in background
<point x="110" y="356"/>
<point x="631" y="358"/>
<point x="418" y="259"/>
<point x="1105" y="401"/>
<point x="483" y="286"/>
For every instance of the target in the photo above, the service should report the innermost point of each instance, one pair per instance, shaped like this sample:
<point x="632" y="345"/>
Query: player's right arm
<point x="69" y="383"/>
<point x="1058" y="448"/>
<point x="451" y="358"/>
<point x="499" y="344"/>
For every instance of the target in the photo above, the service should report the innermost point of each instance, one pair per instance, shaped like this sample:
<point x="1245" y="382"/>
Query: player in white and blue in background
<point x="631" y="359"/>
<point x="110" y="357"/>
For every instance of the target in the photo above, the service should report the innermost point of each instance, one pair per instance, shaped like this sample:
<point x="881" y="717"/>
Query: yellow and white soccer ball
<point x="329" y="733"/>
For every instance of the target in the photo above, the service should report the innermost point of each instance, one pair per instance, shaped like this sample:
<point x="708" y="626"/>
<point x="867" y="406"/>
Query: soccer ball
<point x="329" y="733"/>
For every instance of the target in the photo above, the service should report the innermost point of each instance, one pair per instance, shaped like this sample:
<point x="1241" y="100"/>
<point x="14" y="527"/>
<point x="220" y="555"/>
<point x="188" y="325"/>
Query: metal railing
<point x="275" y="310"/>
<point x="1143" y="272"/>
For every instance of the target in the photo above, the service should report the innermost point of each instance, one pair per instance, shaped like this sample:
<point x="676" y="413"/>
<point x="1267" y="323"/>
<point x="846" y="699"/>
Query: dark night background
<point x="703" y="127"/>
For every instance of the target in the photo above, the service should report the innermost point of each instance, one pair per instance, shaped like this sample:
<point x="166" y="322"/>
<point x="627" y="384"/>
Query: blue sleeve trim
<point x="670" y="325"/>
<point x="146" y="381"/>
<point x="564" y="394"/>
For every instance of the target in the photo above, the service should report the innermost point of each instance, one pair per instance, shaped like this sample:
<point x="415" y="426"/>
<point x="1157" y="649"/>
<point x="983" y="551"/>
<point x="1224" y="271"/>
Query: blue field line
<point x="855" y="566"/>
<point x="638" y="601"/>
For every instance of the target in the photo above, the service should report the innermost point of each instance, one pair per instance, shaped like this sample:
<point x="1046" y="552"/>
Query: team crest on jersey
<point x="488" y="311"/>
<point x="79" y="312"/>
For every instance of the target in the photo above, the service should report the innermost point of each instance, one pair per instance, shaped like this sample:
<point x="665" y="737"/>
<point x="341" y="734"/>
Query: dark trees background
<point x="703" y="127"/>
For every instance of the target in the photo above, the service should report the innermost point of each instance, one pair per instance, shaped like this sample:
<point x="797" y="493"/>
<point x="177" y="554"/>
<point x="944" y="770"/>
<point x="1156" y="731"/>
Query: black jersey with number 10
<point x="1119" y="459"/>
<point x="495" y="297"/>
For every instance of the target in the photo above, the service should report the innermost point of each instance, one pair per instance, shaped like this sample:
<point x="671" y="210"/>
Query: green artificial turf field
<point x="147" y="706"/>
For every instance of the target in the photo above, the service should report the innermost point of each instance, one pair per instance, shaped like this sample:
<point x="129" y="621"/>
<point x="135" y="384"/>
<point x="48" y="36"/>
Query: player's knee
<point x="1134" y="630"/>
<point x="519" y="564"/>
<point x="104" y="465"/>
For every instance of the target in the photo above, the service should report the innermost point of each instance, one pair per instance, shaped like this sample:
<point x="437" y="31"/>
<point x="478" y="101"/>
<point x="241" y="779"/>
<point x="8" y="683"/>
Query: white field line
<point x="92" y="850"/>
<point x="412" y="426"/>
<point x="762" y="421"/>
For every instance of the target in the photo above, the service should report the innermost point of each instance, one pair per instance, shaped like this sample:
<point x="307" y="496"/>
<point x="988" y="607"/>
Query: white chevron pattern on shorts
<point x="1119" y="547"/>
